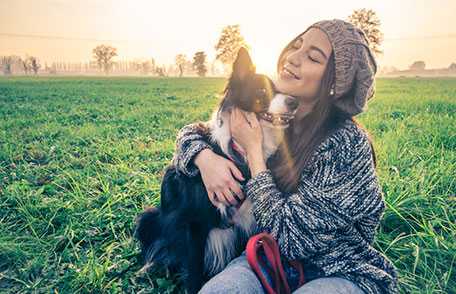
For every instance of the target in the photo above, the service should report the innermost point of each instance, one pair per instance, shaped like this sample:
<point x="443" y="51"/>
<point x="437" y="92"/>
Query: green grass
<point x="81" y="157"/>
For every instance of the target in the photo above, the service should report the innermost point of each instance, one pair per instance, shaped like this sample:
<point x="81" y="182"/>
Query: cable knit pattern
<point x="191" y="139"/>
<point x="331" y="219"/>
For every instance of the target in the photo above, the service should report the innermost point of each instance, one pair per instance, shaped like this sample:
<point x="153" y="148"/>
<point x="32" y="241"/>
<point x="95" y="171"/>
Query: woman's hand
<point x="246" y="130"/>
<point x="217" y="174"/>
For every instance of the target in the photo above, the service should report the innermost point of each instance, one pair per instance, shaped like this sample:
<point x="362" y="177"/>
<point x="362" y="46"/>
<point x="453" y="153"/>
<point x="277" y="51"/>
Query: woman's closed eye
<point x="313" y="59"/>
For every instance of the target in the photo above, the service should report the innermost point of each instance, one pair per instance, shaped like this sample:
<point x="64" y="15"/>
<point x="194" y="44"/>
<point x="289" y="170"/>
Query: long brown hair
<point x="303" y="137"/>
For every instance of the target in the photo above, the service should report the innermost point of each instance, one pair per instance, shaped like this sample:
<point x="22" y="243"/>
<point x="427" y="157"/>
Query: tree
<point x="368" y="21"/>
<point x="143" y="67"/>
<point x="34" y="64"/>
<point x="418" y="65"/>
<point x="199" y="63"/>
<point x="26" y="64"/>
<point x="103" y="56"/>
<point x="7" y="63"/>
<point x="152" y="65"/>
<point x="51" y="70"/>
<point x="160" y="71"/>
<point x="452" y="66"/>
<point x="181" y="59"/>
<point x="229" y="44"/>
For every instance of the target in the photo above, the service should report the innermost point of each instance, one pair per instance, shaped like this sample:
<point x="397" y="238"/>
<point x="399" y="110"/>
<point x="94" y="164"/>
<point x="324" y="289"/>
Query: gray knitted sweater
<point x="332" y="218"/>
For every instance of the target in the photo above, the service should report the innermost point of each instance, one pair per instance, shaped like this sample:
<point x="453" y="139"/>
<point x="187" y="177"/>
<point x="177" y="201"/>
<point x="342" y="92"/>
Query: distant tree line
<point x="103" y="61"/>
<point x="13" y="63"/>
<point x="228" y="44"/>
<point x="226" y="49"/>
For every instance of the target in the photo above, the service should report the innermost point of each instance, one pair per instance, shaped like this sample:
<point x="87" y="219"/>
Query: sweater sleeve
<point x="338" y="191"/>
<point x="191" y="139"/>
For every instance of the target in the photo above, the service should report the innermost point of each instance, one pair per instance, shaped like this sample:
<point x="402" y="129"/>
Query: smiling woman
<point x="324" y="169"/>
<point x="301" y="67"/>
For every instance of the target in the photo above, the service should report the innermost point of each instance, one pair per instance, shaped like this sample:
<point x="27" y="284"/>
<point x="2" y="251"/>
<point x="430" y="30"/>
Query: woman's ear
<point x="243" y="65"/>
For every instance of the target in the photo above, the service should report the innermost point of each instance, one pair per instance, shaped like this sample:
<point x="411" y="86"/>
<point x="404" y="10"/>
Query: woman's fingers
<point x="237" y="118"/>
<point x="233" y="118"/>
<point x="253" y="119"/>
<point x="240" y="119"/>
<point x="219" y="177"/>
<point x="230" y="198"/>
<point x="236" y="189"/>
<point x="225" y="197"/>
<point x="235" y="171"/>
<point x="212" y="197"/>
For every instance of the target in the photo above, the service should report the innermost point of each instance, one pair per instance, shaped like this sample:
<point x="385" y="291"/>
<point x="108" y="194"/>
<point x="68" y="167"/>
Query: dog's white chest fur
<point x="221" y="243"/>
<point x="221" y="134"/>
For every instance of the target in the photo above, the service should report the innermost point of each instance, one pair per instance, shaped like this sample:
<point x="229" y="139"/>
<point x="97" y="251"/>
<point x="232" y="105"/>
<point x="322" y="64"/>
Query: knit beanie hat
<point x="355" y="64"/>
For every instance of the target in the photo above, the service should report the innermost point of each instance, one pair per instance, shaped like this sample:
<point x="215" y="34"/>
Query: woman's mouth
<point x="288" y="74"/>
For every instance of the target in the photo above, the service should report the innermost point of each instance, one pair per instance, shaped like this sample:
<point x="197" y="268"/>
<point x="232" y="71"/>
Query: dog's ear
<point x="243" y="65"/>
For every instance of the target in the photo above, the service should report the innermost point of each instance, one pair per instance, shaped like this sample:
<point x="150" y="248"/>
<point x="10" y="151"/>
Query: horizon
<point x="143" y="30"/>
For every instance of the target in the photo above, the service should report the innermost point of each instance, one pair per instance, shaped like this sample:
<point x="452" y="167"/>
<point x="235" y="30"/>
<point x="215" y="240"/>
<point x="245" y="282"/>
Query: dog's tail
<point x="148" y="228"/>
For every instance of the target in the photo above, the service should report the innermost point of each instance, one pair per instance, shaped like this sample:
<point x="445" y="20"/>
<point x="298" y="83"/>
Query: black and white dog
<point x="186" y="233"/>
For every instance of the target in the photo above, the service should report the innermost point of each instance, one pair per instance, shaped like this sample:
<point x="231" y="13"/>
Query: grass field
<point x="81" y="157"/>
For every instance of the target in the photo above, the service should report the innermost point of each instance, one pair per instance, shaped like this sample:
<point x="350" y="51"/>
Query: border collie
<point x="186" y="233"/>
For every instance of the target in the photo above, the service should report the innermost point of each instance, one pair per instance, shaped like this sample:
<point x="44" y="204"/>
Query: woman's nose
<point x="292" y="103"/>
<point x="292" y="58"/>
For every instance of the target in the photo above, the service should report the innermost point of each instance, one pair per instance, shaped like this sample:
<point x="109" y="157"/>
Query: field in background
<point x="80" y="158"/>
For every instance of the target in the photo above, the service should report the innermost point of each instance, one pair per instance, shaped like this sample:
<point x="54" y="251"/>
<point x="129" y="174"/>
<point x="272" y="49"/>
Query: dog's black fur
<point x="174" y="234"/>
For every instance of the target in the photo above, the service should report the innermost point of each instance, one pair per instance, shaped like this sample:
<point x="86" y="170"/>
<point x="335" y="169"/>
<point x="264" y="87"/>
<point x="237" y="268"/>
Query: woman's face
<point x="303" y="65"/>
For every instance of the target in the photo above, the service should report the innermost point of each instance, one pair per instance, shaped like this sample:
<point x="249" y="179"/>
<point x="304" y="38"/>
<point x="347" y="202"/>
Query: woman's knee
<point x="237" y="277"/>
<point x="330" y="285"/>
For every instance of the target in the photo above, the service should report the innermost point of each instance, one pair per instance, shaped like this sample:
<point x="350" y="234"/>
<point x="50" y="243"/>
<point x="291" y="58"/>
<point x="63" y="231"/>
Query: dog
<point x="187" y="233"/>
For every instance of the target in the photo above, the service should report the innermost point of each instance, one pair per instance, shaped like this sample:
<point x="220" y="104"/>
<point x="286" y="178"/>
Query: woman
<point x="319" y="195"/>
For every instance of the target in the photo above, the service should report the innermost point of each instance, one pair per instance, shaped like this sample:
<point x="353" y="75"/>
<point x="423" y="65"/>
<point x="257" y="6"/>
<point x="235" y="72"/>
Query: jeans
<point x="238" y="277"/>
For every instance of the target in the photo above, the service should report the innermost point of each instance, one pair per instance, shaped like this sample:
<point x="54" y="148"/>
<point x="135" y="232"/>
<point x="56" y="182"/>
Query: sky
<point x="413" y="29"/>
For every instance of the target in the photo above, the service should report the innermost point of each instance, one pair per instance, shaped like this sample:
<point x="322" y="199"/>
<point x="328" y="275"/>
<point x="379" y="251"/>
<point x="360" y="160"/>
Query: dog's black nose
<point x="291" y="102"/>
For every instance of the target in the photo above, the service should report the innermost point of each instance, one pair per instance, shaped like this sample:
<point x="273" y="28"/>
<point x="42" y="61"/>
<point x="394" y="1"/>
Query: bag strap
<point x="276" y="271"/>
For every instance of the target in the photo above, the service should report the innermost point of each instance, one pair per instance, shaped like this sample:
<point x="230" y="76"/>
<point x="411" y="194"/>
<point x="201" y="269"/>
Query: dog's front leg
<point x="195" y="262"/>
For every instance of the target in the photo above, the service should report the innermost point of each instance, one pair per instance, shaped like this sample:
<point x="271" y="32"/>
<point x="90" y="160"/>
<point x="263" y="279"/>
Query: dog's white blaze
<point x="221" y="243"/>
<point x="221" y="135"/>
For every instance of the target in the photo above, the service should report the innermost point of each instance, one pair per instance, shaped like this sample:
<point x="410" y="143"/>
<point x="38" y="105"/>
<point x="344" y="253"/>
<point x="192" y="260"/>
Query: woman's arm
<point x="333" y="215"/>
<point x="341" y="190"/>
<point x="194" y="155"/>
<point x="191" y="139"/>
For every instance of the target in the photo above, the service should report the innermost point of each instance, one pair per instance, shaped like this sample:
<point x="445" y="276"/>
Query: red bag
<point x="271" y="250"/>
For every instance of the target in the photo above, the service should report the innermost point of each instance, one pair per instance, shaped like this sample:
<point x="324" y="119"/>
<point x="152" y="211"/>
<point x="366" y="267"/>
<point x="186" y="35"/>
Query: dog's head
<point x="256" y="93"/>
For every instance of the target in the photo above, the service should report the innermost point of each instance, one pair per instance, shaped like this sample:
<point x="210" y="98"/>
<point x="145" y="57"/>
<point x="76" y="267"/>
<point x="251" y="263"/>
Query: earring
<point x="331" y="92"/>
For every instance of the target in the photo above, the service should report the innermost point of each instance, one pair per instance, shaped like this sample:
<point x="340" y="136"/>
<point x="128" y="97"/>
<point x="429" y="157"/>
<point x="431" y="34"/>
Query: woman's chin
<point x="286" y="86"/>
